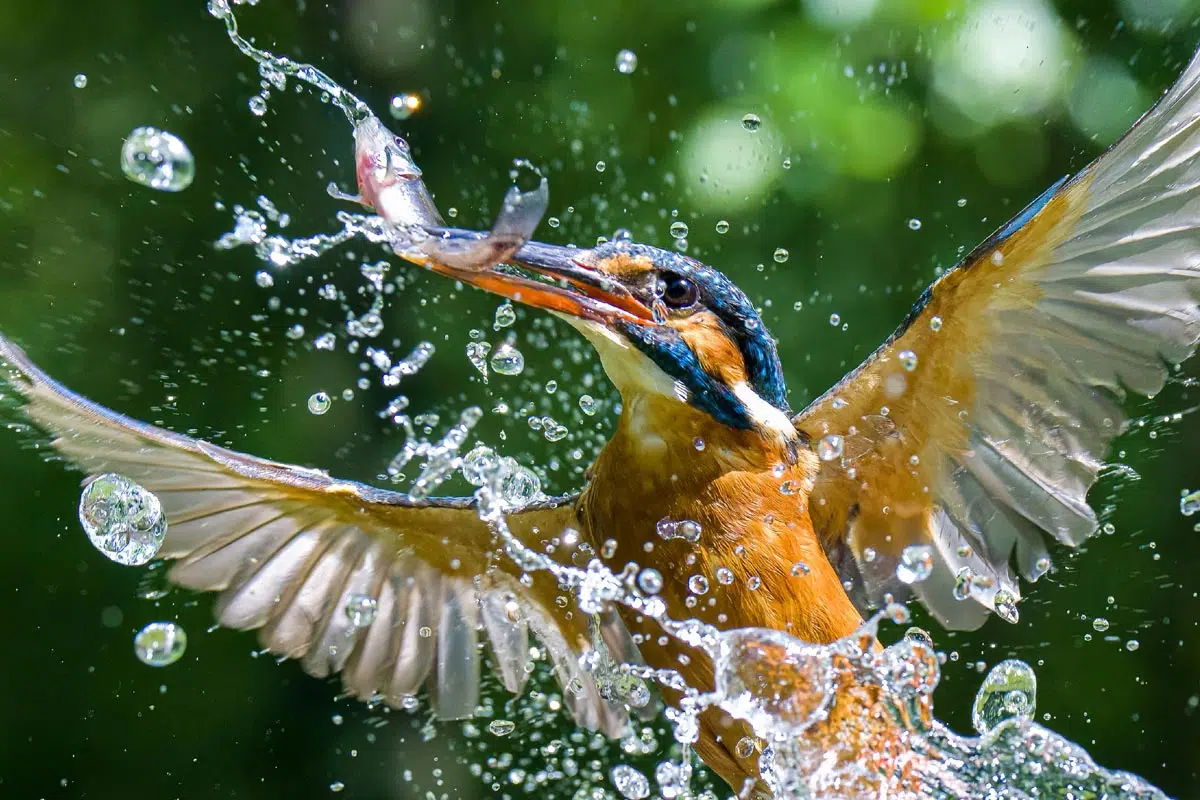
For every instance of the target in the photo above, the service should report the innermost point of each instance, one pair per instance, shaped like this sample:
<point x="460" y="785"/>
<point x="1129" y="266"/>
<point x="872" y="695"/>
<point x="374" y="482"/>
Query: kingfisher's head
<point x="661" y="323"/>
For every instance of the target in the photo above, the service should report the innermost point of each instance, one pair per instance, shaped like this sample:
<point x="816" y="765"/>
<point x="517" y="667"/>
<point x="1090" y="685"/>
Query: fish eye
<point x="679" y="292"/>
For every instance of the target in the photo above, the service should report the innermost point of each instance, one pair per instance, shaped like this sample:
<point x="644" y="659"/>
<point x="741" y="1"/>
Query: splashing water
<point x="845" y="720"/>
<point x="122" y="519"/>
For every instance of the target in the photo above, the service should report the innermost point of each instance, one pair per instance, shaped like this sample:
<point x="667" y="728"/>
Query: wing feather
<point x="287" y="547"/>
<point x="1024" y="353"/>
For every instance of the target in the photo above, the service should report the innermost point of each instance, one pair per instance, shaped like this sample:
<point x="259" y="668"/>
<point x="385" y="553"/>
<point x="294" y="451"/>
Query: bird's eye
<point x="678" y="291"/>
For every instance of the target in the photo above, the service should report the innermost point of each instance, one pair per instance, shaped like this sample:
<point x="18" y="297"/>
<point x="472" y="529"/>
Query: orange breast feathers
<point x="756" y="561"/>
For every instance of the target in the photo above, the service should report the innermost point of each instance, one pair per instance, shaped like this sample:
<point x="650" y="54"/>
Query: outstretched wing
<point x="286" y="547"/>
<point x="981" y="423"/>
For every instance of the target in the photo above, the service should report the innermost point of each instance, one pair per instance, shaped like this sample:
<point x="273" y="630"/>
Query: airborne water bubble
<point x="752" y="122"/>
<point x="1008" y="692"/>
<point x="629" y="782"/>
<point x="507" y="360"/>
<point x="160" y="644"/>
<point x="122" y="519"/>
<point x="830" y="447"/>
<point x="916" y="563"/>
<point x="626" y="62"/>
<point x="319" y="403"/>
<point x="679" y="229"/>
<point x="360" y="610"/>
<point x="1189" y="503"/>
<point x="158" y="159"/>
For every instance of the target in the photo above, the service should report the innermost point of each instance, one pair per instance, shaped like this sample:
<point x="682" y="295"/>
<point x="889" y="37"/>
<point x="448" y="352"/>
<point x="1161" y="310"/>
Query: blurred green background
<point x="895" y="134"/>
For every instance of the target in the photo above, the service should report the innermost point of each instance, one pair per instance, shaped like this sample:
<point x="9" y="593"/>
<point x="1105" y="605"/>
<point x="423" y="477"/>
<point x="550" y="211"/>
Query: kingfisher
<point x="942" y="469"/>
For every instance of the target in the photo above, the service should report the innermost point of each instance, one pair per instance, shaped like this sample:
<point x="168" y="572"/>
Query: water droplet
<point x="916" y="563"/>
<point x="650" y="580"/>
<point x="553" y="222"/>
<point x="258" y="105"/>
<point x="1132" y="645"/>
<point x="157" y="159"/>
<point x="907" y="359"/>
<point x="679" y="229"/>
<point x="1008" y="692"/>
<point x="744" y="748"/>
<point x="336" y="787"/>
<point x="830" y="447"/>
<point x="479" y="464"/>
<point x="507" y="360"/>
<point x="935" y="323"/>
<point x="263" y="279"/>
<point x="505" y="315"/>
<point x="326" y="341"/>
<point x="477" y="353"/>
<point x="724" y="576"/>
<point x="1100" y="624"/>
<point x="626" y="62"/>
<point x="800" y="569"/>
<point x="160" y="644"/>
<point x="781" y="255"/>
<point x="80" y="81"/>
<point x="698" y="584"/>
<point x="751" y="122"/>
<point x="629" y="782"/>
<point x="425" y="632"/>
<point x="403" y="106"/>
<point x="123" y="520"/>
<point x="519" y="486"/>
<point x="501" y="727"/>
<point x="601" y="166"/>
<point x="914" y="224"/>
<point x="319" y="403"/>
<point x="722" y="226"/>
<point x="360" y="610"/>
<point x="609" y="548"/>
<point x="1189" y="503"/>
<point x="1005" y="604"/>
<point x="835" y="320"/>
<point x="588" y="404"/>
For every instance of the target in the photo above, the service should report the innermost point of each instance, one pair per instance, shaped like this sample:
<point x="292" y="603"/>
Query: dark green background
<point x="117" y="290"/>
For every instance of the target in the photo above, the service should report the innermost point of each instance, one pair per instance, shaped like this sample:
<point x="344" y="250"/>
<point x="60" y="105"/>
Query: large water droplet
<point x="1189" y="503"/>
<point x="160" y="644"/>
<point x="916" y="563"/>
<point x="80" y="81"/>
<point x="519" y="486"/>
<point x="479" y="464"/>
<point x="751" y="122"/>
<point x="908" y="359"/>
<point x="123" y="520"/>
<point x="360" y="610"/>
<point x="698" y="584"/>
<point x="1008" y="692"/>
<point x="507" y="360"/>
<point x="501" y="727"/>
<point x="505" y="315"/>
<point x="679" y="229"/>
<point x="650" y="580"/>
<point x="629" y="782"/>
<point x="588" y="405"/>
<point x="157" y="159"/>
<point x="319" y="403"/>
<point x="626" y="62"/>
<point x="830" y="447"/>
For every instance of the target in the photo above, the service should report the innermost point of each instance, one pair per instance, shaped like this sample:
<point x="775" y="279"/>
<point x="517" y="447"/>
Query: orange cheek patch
<point x="715" y="351"/>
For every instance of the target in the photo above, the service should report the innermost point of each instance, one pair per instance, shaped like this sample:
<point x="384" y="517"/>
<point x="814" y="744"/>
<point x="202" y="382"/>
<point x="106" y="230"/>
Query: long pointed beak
<point x="564" y="279"/>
